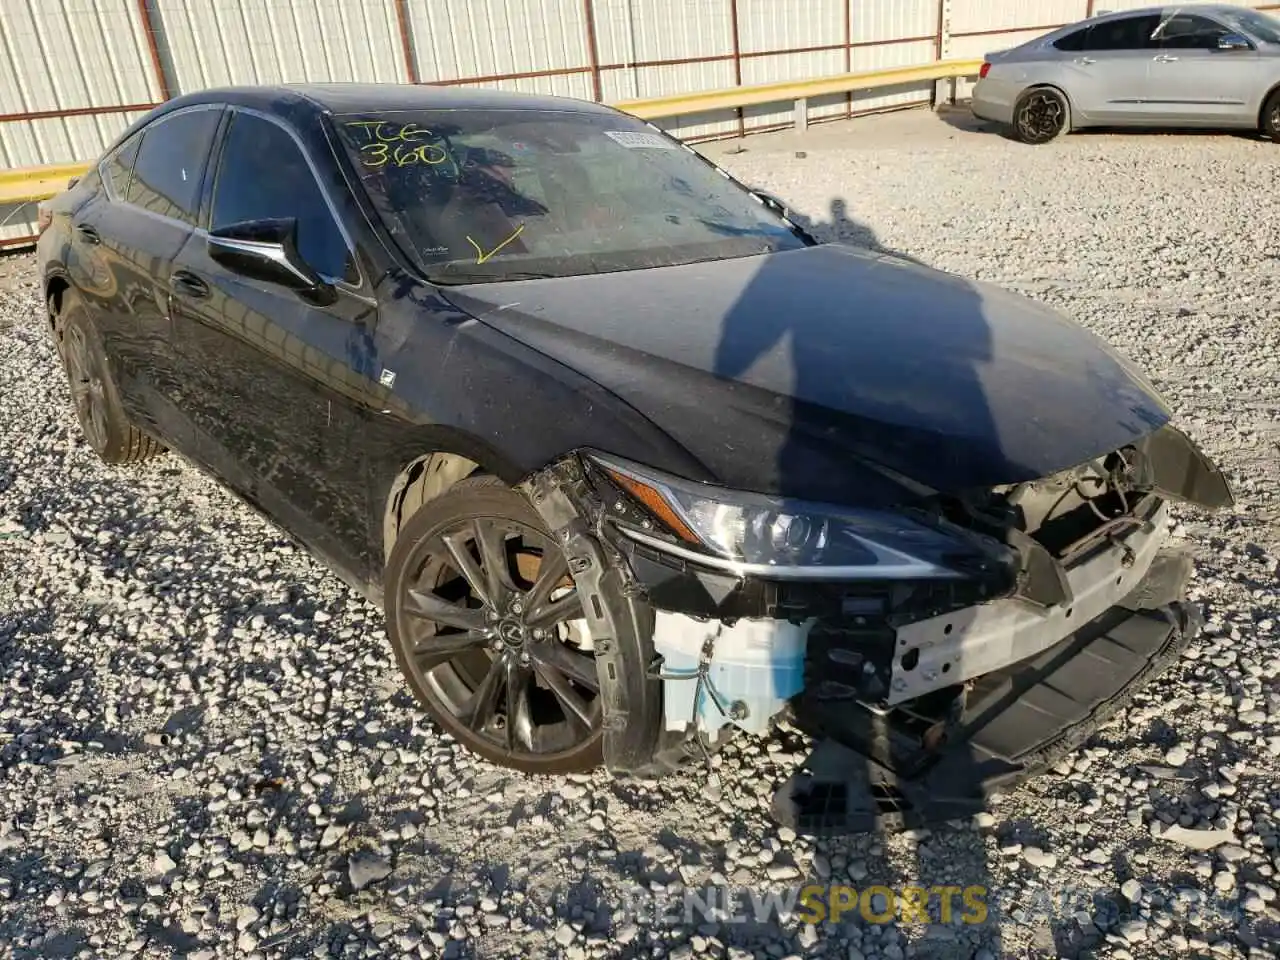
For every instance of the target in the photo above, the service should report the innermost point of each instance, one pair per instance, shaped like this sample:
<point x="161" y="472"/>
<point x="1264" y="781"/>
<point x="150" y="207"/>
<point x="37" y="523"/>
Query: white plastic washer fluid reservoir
<point x="756" y="667"/>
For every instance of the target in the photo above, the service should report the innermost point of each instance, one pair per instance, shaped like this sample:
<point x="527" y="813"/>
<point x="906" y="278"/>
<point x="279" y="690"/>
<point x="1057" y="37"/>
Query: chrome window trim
<point x="355" y="293"/>
<point x="270" y="251"/>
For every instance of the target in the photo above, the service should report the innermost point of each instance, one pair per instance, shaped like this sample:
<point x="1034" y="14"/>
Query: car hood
<point x="834" y="373"/>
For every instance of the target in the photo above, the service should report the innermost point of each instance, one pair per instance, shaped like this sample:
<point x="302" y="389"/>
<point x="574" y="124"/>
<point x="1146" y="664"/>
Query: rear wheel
<point x="93" y="393"/>
<point x="487" y="627"/>
<point x="1041" y="115"/>
<point x="1271" y="117"/>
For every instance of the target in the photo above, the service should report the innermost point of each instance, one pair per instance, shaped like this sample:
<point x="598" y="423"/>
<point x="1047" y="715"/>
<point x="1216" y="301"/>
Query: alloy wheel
<point x="1041" y="117"/>
<point x="87" y="390"/>
<point x="495" y="638"/>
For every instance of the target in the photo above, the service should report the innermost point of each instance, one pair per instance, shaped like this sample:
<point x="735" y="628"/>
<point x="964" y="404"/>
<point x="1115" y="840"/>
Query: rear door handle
<point x="1085" y="61"/>
<point x="1164" y="58"/>
<point x="88" y="234"/>
<point x="187" y="283"/>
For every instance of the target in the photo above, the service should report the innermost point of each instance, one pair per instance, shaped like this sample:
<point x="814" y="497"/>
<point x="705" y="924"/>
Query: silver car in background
<point x="1205" y="65"/>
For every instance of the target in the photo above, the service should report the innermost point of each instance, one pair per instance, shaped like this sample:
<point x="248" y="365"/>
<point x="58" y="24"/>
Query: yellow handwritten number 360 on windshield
<point x="379" y="154"/>
<point x="400" y="147"/>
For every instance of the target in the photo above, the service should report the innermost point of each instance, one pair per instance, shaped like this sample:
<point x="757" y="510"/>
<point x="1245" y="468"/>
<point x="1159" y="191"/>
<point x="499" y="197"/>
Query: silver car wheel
<point x="1041" y="116"/>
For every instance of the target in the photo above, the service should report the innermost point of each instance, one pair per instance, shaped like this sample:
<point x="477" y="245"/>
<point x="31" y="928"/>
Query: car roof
<point x="1209" y="8"/>
<point x="1104" y="16"/>
<point x="295" y="101"/>
<point x="342" y="98"/>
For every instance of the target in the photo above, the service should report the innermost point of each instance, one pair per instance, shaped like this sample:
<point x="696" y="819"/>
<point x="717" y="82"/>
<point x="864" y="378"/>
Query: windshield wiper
<point x="451" y="277"/>
<point x="733" y="230"/>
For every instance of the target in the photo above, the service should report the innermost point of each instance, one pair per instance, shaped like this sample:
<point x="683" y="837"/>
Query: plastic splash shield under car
<point x="1013" y="728"/>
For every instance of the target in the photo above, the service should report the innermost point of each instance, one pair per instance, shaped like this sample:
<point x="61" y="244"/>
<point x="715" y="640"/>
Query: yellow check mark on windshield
<point x="481" y="256"/>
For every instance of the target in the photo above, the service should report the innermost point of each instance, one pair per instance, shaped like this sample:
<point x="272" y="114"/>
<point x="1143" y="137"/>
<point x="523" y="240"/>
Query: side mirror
<point x="770" y="201"/>
<point x="267" y="250"/>
<point x="1234" y="41"/>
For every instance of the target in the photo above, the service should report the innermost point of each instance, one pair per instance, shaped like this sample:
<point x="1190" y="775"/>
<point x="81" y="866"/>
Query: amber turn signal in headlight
<point x="654" y="502"/>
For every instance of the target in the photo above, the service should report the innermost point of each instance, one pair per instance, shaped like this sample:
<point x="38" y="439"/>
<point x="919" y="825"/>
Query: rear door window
<point x="264" y="175"/>
<point x="1125" y="33"/>
<point x="117" y="168"/>
<point x="171" y="162"/>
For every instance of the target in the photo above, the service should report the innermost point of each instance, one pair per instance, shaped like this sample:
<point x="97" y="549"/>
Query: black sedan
<point x="629" y="458"/>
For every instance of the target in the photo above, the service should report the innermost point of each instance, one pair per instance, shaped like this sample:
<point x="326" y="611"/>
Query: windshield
<point x="1260" y="25"/>
<point x="477" y="195"/>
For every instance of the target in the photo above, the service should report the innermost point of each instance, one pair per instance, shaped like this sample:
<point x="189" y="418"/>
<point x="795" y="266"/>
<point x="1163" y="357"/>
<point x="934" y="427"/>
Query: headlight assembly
<point x="748" y="533"/>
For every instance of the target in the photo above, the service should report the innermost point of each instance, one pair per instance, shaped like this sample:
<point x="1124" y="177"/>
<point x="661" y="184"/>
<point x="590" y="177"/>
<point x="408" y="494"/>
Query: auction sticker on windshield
<point x="634" y="140"/>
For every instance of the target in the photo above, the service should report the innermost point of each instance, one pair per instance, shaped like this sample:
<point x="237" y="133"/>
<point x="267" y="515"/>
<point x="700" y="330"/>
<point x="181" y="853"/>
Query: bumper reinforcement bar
<point x="1013" y="727"/>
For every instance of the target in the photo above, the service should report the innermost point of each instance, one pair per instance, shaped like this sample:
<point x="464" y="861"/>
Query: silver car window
<point x="1186" y="31"/>
<point x="1073" y="42"/>
<point x="1124" y="33"/>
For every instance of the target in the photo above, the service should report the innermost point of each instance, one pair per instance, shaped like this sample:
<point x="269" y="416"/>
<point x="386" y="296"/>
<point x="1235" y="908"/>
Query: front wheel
<point x="1041" y="115"/>
<point x="488" y="629"/>
<point x="1271" y="117"/>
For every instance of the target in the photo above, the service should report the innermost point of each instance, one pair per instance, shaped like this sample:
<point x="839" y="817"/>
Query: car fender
<point x="449" y="386"/>
<point x="1268" y="91"/>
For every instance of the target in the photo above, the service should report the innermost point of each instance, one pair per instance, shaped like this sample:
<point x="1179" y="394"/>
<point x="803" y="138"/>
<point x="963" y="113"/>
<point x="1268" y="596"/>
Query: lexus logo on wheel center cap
<point x="512" y="633"/>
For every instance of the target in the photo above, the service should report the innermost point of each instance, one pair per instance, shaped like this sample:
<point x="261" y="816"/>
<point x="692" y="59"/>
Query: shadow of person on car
<point x="863" y="368"/>
<point x="840" y="227"/>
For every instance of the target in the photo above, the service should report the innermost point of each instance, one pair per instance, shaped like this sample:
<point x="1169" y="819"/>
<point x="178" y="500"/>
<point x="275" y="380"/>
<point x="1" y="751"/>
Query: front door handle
<point x="188" y="284"/>
<point x="88" y="234"/>
<point x="1085" y="61"/>
<point x="1164" y="58"/>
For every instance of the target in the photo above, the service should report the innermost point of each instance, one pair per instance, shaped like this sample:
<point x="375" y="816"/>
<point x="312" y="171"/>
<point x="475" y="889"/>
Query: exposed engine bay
<point x="1065" y="601"/>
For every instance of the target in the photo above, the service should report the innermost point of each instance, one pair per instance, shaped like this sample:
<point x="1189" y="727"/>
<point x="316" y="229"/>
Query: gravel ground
<point x="205" y="749"/>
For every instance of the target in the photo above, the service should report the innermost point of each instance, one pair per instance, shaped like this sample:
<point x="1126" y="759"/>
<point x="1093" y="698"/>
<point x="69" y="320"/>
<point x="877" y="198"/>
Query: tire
<point x="1041" y="115"/>
<point x="102" y="419"/>
<point x="494" y="652"/>
<point x="1271" y="117"/>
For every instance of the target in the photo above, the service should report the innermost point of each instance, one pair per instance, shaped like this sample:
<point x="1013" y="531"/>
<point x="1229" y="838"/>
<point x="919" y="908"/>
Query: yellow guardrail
<point x="26" y="184"/>
<point x="29" y="184"/>
<point x="797" y="91"/>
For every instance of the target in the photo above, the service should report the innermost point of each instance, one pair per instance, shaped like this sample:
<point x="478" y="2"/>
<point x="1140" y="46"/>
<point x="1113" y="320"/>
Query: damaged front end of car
<point x="937" y="652"/>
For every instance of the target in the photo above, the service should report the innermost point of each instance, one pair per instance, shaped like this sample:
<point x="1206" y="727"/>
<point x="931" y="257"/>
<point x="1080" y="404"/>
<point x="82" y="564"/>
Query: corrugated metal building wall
<point x="74" y="73"/>
<point x="71" y="77"/>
